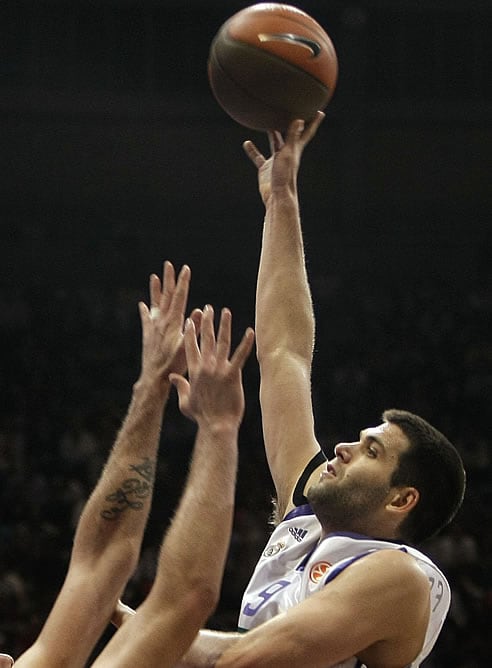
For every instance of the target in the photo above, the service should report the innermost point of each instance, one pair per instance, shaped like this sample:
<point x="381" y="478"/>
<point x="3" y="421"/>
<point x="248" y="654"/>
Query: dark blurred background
<point x="114" y="156"/>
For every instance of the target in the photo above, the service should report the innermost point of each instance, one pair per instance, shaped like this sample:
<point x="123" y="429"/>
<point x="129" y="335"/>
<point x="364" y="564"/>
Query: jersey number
<point x="264" y="596"/>
<point x="439" y="593"/>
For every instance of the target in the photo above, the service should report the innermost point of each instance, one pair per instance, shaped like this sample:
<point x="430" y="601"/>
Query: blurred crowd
<point x="68" y="363"/>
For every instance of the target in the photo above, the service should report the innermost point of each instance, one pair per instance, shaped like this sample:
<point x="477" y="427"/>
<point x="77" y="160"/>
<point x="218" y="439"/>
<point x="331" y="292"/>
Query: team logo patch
<point x="318" y="571"/>
<point x="273" y="549"/>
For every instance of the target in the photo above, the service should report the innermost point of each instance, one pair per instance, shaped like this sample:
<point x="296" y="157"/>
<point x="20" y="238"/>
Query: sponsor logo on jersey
<point x="318" y="571"/>
<point x="272" y="550"/>
<point x="299" y="534"/>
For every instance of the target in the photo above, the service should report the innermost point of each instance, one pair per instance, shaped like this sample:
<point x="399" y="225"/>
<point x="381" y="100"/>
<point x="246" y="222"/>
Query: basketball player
<point x="337" y="585"/>
<point x="109" y="534"/>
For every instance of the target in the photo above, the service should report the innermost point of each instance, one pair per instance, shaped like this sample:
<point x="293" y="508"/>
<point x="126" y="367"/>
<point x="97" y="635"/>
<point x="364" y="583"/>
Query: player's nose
<point x="344" y="451"/>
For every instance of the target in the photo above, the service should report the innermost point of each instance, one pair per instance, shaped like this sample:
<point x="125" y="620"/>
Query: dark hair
<point x="433" y="466"/>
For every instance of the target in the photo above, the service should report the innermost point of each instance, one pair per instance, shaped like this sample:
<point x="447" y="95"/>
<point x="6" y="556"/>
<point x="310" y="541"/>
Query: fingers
<point x="180" y="294"/>
<point x="183" y="389"/>
<point x="144" y="311"/>
<point x="295" y="130"/>
<point x="220" y="348"/>
<point x="154" y="290"/>
<point x="196" y="317"/>
<point x="192" y="351"/>
<point x="168" y="286"/>
<point x="253" y="154"/>
<point x="160" y="295"/>
<point x="211" y="346"/>
<point x="299" y="130"/>
<point x="224" y="335"/>
<point x="170" y="292"/>
<point x="181" y="384"/>
<point x="276" y="141"/>
<point x="223" y="345"/>
<point x="313" y="126"/>
<point x="243" y="350"/>
<point x="207" y="332"/>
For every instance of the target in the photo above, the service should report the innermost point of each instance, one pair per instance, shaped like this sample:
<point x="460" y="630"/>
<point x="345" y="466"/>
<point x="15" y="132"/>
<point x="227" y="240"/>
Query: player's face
<point x="355" y="487"/>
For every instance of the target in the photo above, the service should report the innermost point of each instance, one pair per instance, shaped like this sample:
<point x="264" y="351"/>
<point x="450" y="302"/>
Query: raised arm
<point x="109" y="534"/>
<point x="285" y="325"/>
<point x="193" y="553"/>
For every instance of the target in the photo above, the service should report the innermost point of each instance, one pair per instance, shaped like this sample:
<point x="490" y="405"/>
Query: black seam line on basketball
<point x="271" y="56"/>
<point x="306" y="43"/>
<point x="266" y="104"/>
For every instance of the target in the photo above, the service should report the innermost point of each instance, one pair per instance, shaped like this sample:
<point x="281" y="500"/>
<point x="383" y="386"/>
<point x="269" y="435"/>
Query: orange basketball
<point x="270" y="64"/>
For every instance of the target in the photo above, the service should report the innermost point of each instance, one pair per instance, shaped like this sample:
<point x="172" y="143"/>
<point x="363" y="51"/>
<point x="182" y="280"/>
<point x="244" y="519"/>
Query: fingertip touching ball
<point x="270" y="64"/>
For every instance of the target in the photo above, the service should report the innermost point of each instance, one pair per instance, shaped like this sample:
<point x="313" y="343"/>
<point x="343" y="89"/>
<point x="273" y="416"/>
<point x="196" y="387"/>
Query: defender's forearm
<point x="118" y="508"/>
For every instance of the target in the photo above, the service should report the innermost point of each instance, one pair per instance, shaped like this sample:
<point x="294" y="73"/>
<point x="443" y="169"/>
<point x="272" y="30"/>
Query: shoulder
<point x="386" y="586"/>
<point x="394" y="564"/>
<point x="393" y="575"/>
<point x="392" y="587"/>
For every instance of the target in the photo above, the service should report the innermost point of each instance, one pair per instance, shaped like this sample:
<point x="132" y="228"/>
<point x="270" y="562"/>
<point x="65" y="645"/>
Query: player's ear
<point x="403" y="500"/>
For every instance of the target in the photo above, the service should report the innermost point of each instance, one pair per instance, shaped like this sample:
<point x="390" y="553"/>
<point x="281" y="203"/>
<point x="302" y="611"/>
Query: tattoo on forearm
<point x="132" y="492"/>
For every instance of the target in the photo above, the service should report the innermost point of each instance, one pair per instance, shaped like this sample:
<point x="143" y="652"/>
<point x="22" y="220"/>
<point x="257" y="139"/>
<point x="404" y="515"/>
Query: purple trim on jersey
<point x="339" y="569"/>
<point x="350" y="534"/>
<point x="336" y="571"/>
<point x="303" y="563"/>
<point x="361" y="536"/>
<point x="299" y="511"/>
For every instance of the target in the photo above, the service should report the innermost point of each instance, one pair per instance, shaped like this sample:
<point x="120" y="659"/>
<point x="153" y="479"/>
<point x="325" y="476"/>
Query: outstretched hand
<point x="281" y="168"/>
<point x="162" y="324"/>
<point x="214" y="393"/>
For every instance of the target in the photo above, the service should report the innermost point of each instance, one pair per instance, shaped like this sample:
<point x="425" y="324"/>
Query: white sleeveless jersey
<point x="295" y="564"/>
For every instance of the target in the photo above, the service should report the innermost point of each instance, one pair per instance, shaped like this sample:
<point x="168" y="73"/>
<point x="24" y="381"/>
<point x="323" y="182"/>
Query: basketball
<point x="270" y="64"/>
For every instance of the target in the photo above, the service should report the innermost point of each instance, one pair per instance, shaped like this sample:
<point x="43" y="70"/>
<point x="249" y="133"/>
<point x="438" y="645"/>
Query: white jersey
<point x="296" y="563"/>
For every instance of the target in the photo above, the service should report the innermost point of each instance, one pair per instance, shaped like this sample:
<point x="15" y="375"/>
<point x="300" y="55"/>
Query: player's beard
<point x="347" y="507"/>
